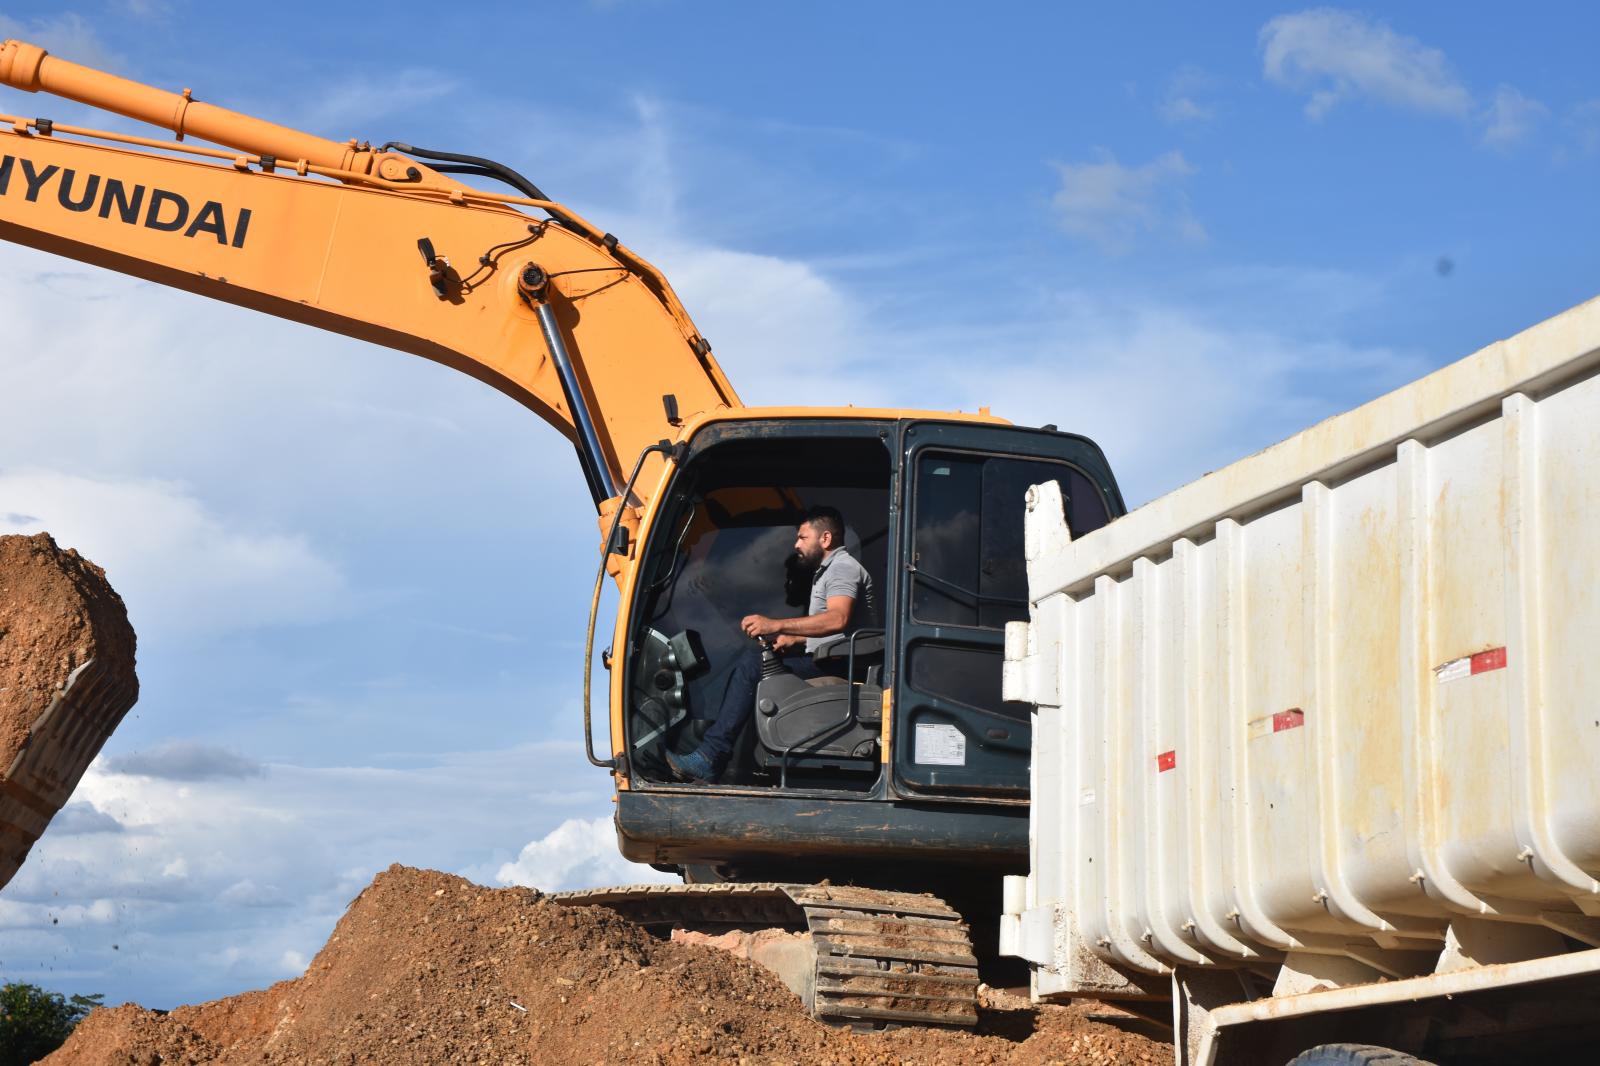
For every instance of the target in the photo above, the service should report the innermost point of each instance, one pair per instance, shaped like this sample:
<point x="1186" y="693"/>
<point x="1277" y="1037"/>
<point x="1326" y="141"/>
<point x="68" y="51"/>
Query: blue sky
<point x="360" y="580"/>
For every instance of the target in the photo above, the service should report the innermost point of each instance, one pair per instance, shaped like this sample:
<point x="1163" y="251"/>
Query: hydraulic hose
<point x="485" y="167"/>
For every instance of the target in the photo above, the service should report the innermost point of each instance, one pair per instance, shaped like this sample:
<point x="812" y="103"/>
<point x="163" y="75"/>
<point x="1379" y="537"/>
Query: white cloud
<point x="1510" y="118"/>
<point x="618" y="5"/>
<point x="77" y="818"/>
<point x="1334" y="55"/>
<point x="1114" y="205"/>
<point x="1583" y="120"/>
<point x="1185" y="109"/>
<point x="146" y="9"/>
<point x="781" y="328"/>
<point x="178" y="566"/>
<point x="184" y="760"/>
<point x="247" y="893"/>
<point x="1195" y="393"/>
<point x="653" y="163"/>
<point x="578" y="853"/>
<point x="1339" y="55"/>
<point x="346" y="107"/>
<point x="1194" y="383"/>
<point x="1186" y="99"/>
<point x="67" y="35"/>
<point x="37" y="916"/>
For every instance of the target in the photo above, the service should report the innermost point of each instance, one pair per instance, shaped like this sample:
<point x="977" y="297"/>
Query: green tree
<point x="34" y="1022"/>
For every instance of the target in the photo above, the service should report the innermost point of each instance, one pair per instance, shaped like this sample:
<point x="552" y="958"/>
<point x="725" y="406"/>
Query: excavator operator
<point x="841" y="598"/>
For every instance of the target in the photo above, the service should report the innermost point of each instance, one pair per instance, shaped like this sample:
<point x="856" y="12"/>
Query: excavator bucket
<point x="66" y="681"/>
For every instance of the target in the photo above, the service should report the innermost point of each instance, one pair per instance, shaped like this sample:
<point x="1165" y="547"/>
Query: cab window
<point x="968" y="566"/>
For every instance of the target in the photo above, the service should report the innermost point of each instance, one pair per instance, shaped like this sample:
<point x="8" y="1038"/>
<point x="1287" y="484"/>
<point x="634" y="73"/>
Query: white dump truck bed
<point x="1329" y="716"/>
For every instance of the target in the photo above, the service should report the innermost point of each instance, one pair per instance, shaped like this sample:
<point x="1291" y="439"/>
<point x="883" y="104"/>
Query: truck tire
<point x="1354" y="1055"/>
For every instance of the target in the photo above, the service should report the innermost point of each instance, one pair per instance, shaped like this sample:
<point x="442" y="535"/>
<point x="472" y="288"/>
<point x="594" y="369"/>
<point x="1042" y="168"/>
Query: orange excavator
<point x="865" y="815"/>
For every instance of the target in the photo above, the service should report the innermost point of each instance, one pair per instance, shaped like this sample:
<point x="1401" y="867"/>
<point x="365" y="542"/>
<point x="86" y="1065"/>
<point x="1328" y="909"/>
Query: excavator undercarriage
<point x="863" y="958"/>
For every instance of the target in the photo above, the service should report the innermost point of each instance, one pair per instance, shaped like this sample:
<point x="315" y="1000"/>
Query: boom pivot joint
<point x="533" y="283"/>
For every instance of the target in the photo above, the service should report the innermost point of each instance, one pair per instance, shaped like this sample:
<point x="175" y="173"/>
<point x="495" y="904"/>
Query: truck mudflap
<point x="870" y="959"/>
<point x="57" y="750"/>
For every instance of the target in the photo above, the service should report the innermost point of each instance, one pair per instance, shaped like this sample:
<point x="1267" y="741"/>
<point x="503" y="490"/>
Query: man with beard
<point x="841" y="602"/>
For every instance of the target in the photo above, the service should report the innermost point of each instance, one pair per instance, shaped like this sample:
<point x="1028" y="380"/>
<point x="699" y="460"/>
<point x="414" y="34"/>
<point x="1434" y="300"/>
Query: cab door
<point x="962" y="577"/>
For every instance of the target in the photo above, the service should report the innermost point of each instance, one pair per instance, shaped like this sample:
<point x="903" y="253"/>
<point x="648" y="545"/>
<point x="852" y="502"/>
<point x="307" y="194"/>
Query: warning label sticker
<point x="940" y="745"/>
<point x="1267" y="725"/>
<point x="1481" y="663"/>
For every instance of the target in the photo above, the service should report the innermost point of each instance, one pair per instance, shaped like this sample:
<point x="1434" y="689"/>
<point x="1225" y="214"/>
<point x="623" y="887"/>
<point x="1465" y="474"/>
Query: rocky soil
<point x="425" y="967"/>
<point x="57" y="611"/>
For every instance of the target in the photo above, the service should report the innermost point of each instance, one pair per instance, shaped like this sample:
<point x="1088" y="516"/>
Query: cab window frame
<point x="915" y="574"/>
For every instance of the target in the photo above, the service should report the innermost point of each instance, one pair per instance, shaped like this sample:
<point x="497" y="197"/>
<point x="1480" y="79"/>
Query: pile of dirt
<point x="60" y="622"/>
<point x="428" y="968"/>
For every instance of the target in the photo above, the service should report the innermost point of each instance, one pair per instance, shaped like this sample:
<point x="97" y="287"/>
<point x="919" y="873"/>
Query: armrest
<point x="840" y="649"/>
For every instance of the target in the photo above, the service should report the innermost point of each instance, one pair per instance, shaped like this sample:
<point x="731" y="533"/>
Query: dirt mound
<point x="66" y="679"/>
<point x="428" y="968"/>
<point x="131" y="1036"/>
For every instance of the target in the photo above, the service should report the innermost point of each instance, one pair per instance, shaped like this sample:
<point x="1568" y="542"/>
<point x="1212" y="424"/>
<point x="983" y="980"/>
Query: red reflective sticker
<point x="1167" y="760"/>
<point x="1493" y="659"/>
<point x="1293" y="718"/>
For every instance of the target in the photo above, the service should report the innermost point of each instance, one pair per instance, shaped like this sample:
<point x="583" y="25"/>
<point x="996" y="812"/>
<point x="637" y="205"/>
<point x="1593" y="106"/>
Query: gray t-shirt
<point x="840" y="575"/>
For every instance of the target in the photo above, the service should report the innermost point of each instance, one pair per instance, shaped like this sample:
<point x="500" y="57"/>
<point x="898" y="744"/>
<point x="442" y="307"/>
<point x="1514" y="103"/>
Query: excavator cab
<point x="724" y="548"/>
<point x="933" y="510"/>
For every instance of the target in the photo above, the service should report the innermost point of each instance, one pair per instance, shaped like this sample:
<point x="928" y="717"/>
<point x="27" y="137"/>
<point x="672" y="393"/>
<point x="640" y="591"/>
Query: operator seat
<point x="827" y="723"/>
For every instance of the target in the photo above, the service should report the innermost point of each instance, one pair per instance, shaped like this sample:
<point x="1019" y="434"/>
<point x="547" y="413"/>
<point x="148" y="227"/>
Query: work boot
<point x="691" y="767"/>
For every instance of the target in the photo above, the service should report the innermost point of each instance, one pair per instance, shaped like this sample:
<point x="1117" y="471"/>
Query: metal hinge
<point x="1031" y="674"/>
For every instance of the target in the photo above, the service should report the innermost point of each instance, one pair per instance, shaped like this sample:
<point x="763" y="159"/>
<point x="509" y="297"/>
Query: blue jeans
<point x="739" y="699"/>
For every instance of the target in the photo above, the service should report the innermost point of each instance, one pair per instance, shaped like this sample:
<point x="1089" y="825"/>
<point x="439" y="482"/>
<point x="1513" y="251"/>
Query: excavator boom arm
<point x="367" y="243"/>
